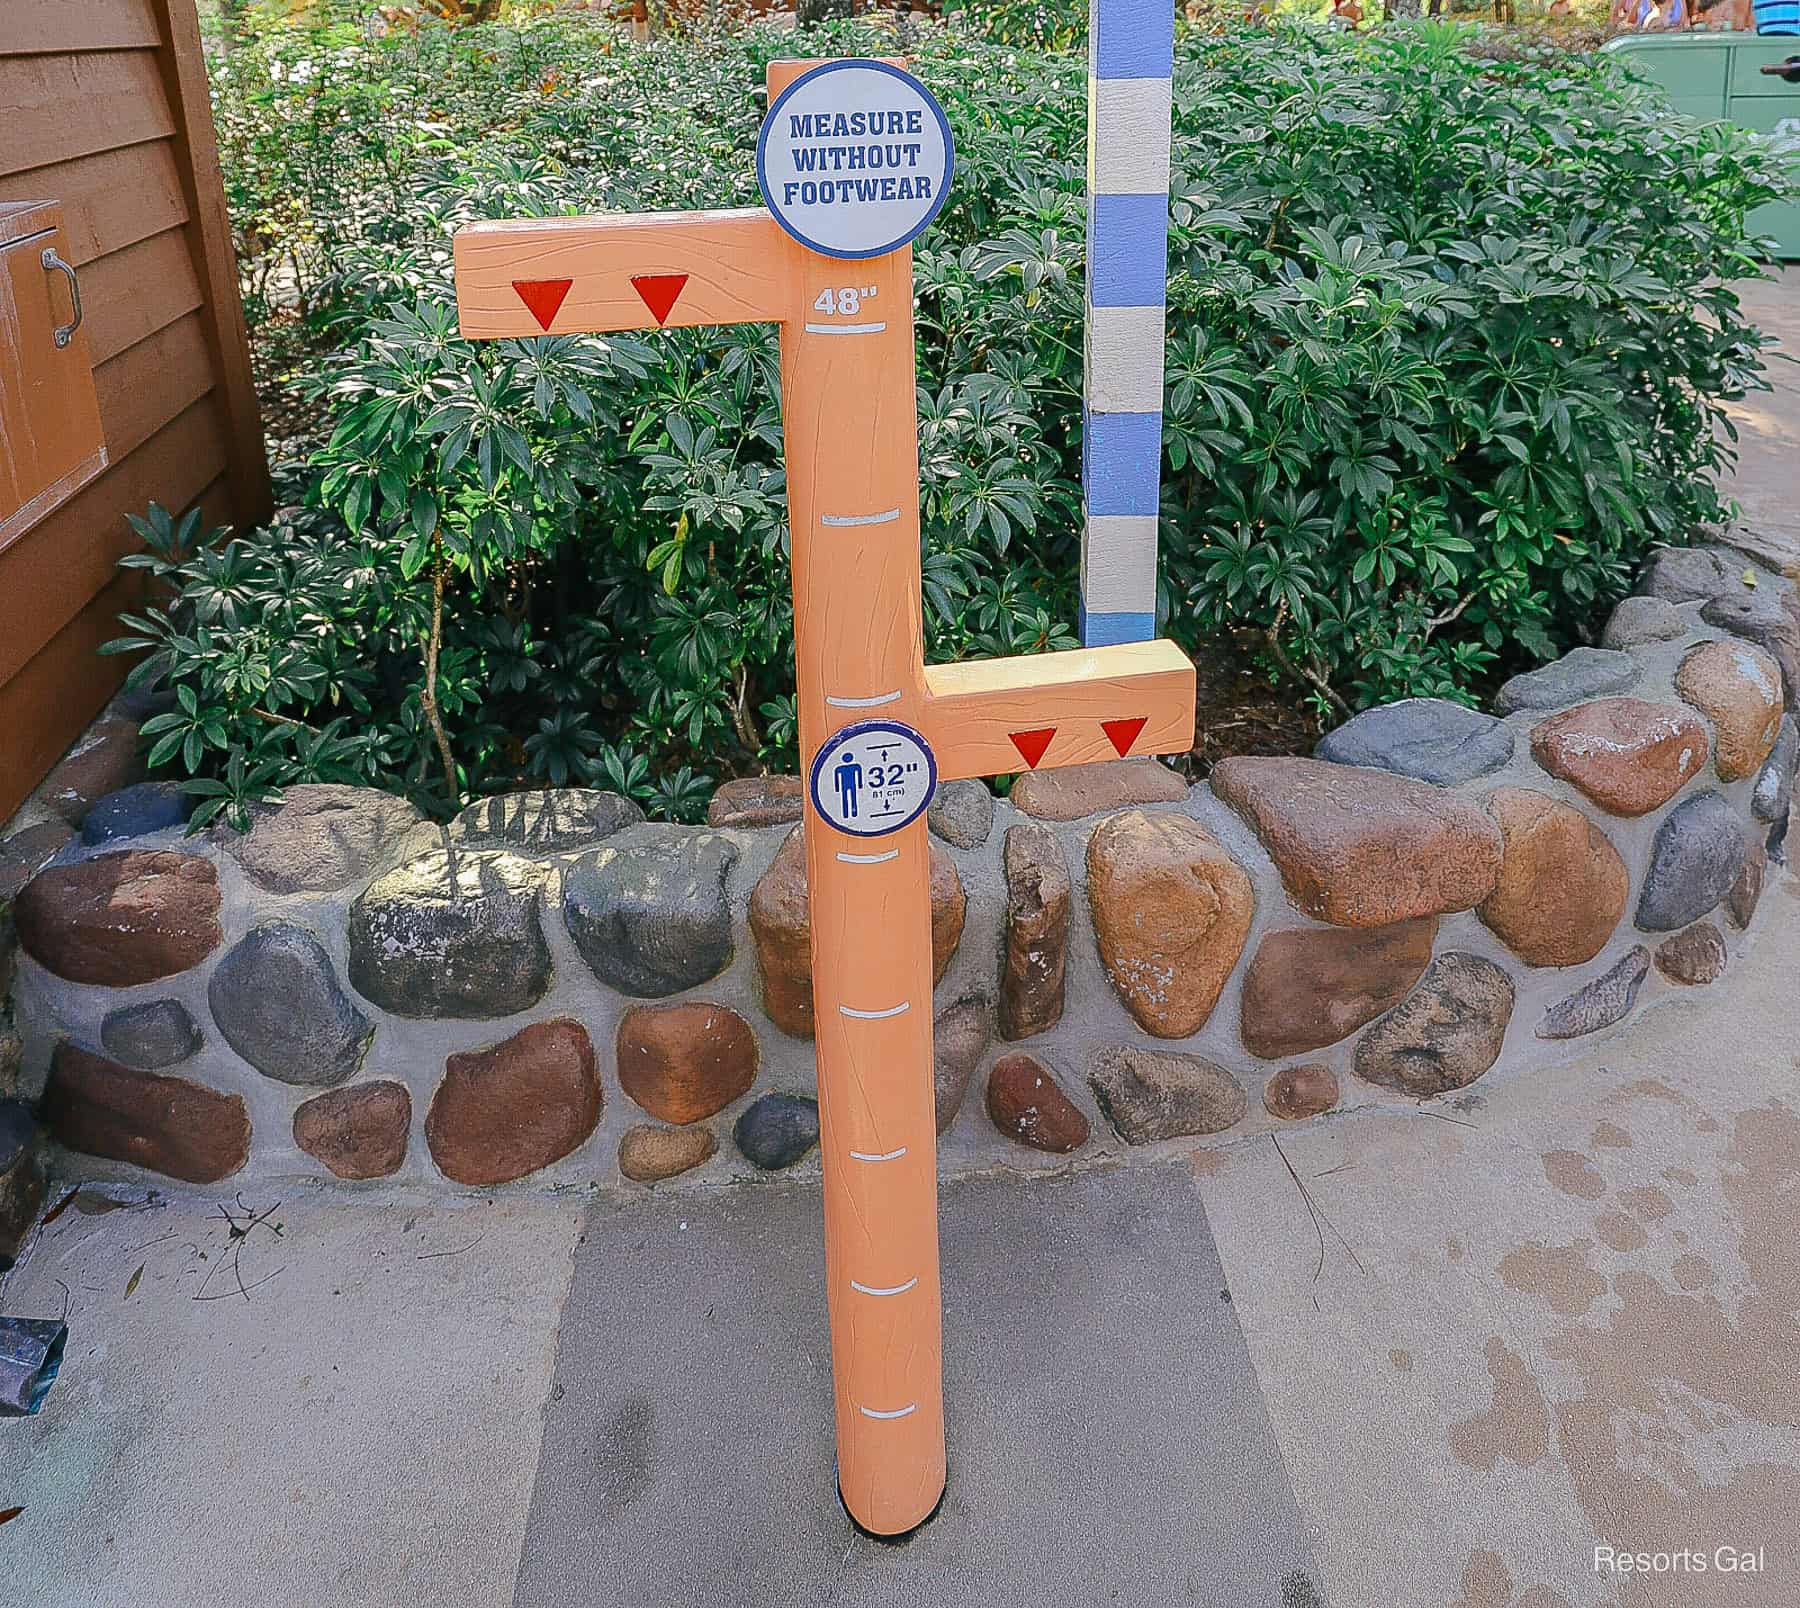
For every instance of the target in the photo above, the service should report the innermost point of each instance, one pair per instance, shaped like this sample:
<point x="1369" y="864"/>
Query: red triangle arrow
<point x="543" y="297"/>
<point x="659" y="293"/>
<point x="1123" y="733"/>
<point x="1031" y="744"/>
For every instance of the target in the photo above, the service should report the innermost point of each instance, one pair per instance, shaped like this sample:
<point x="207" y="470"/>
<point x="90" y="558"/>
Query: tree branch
<point x="433" y="642"/>
<point x="1301" y="673"/>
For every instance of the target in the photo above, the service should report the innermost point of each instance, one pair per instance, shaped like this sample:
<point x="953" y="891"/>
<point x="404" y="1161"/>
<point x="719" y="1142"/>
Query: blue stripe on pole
<point x="1121" y="462"/>
<point x="1107" y="630"/>
<point x="1132" y="38"/>
<point x="1128" y="250"/>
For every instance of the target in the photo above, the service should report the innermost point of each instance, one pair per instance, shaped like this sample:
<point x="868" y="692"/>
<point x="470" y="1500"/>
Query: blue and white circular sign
<point x="855" y="158"/>
<point x="873" y="778"/>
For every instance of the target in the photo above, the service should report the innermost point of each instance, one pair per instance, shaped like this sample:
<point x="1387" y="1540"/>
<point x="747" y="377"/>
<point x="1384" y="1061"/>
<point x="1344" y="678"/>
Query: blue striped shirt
<point x="1777" y="16"/>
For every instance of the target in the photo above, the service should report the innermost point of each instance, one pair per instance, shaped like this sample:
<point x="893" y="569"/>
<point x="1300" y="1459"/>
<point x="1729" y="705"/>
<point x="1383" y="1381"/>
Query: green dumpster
<point x="1744" y="78"/>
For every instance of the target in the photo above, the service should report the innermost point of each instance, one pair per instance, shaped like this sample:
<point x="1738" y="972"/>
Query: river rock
<point x="684" y="1062"/>
<point x="1171" y="911"/>
<point x="276" y="1000"/>
<point x="553" y="820"/>
<point x="649" y="912"/>
<point x="1026" y="1103"/>
<point x="1037" y="931"/>
<point x="1563" y="886"/>
<point x="1774" y="790"/>
<point x="158" y="1033"/>
<point x="1746" y="891"/>
<point x="1696" y="574"/>
<point x="776" y="1130"/>
<point x="1628" y="756"/>
<point x="1641" y="620"/>
<point x="27" y="852"/>
<point x="1149" y="1095"/>
<point x="1072" y="791"/>
<point x="21" y="1178"/>
<point x="1428" y="738"/>
<point x="1694" y="956"/>
<point x="962" y="813"/>
<point x="1364" y="848"/>
<point x="120" y="919"/>
<point x="1307" y="987"/>
<point x="1769" y="617"/>
<point x="359" y="1132"/>
<point x="105" y="760"/>
<point x="780" y="925"/>
<point x="1696" y="856"/>
<point x="134" y="811"/>
<point x="648" y="1154"/>
<point x="1300" y="1091"/>
<point x="1445" y="1034"/>
<point x="1580" y="674"/>
<point x="1606" y="1000"/>
<point x="515" y="1107"/>
<point x="321" y="836"/>
<point x="959" y="1038"/>
<point x="168" y="1125"/>
<point x="451" y="934"/>
<point x="1737" y="687"/>
<point x="752" y="801"/>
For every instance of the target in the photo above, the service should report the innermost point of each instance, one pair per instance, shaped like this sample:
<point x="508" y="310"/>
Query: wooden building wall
<point x="103" y="107"/>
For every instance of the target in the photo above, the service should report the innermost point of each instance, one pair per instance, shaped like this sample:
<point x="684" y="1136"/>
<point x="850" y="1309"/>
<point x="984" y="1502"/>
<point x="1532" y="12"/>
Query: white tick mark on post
<point x="845" y="329"/>
<point x="868" y="859"/>
<point x="839" y="520"/>
<point x="897" y="1289"/>
<point x="863" y="703"/>
<point x="875" y="1016"/>
<point x="893" y="1412"/>
<point x="865" y="1155"/>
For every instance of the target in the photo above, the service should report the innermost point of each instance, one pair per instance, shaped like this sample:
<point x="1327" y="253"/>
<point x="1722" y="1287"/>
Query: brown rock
<point x="1737" y="686"/>
<point x="648" y="1154"/>
<point x="1300" y="1091"/>
<point x="21" y="1178"/>
<point x="750" y="801"/>
<point x="27" y="852"/>
<point x="1364" y="848"/>
<point x="121" y="919"/>
<point x="1563" y="887"/>
<point x="1693" y="956"/>
<point x="105" y="760"/>
<point x="1746" y="892"/>
<point x="1628" y="756"/>
<point x="684" y="1062"/>
<point x="1171" y="912"/>
<point x="1026" y="1103"/>
<point x="780" y="924"/>
<point x="1072" y="791"/>
<point x="1037" y="932"/>
<point x="506" y="1111"/>
<point x="1445" y="1034"/>
<point x="1149" y="1095"/>
<point x="959" y="1038"/>
<point x="1311" y="986"/>
<point x="173" y="1126"/>
<point x="358" y="1132"/>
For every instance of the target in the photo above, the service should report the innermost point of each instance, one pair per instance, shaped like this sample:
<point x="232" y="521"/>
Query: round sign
<point x="873" y="778"/>
<point x="855" y="158"/>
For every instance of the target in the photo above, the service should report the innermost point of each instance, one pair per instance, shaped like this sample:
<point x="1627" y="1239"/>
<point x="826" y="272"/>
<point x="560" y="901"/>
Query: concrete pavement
<point x="1766" y="483"/>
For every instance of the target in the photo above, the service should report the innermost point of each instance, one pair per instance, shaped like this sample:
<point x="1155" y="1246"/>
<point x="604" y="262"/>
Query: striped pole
<point x="1131" y="48"/>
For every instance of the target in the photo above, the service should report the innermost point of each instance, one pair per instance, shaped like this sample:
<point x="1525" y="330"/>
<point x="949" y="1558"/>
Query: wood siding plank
<point x="63" y="106"/>
<point x="111" y="199"/>
<point x="135" y="292"/>
<point x="65" y="27"/>
<point x="149" y="384"/>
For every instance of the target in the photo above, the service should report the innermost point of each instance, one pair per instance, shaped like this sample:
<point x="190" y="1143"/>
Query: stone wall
<point x="552" y="989"/>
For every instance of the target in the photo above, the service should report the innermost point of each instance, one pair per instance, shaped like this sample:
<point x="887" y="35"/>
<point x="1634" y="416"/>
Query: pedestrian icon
<point x="848" y="776"/>
<point x="873" y="778"/>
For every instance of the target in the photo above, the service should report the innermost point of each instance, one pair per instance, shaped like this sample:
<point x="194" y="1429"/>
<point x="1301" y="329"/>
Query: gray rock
<point x="1606" y="1000"/>
<point x="1578" y="675"/>
<point x="1694" y="574"/>
<point x="133" y="811"/>
<point x="962" y="813"/>
<point x="1775" y="781"/>
<point x="276" y="1000"/>
<point x="557" y="820"/>
<point x="1149" y="1095"/>
<point x="1766" y="616"/>
<point x="777" y="1130"/>
<point x="959" y="1038"/>
<point x="449" y="933"/>
<point x="1640" y="620"/>
<point x="1444" y="1034"/>
<point x="27" y="852"/>
<point x="1427" y="738"/>
<point x="648" y="912"/>
<point x="1697" y="855"/>
<point x="150" y="1036"/>
<point x="320" y="837"/>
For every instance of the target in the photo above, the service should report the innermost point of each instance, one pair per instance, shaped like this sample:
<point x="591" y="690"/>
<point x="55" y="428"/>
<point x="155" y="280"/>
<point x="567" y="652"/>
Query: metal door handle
<point x="1788" y="70"/>
<point x="64" y="332"/>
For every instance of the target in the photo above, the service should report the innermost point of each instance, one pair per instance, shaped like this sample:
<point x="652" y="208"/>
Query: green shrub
<point x="1447" y="339"/>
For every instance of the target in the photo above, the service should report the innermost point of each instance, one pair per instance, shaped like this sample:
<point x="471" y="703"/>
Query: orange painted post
<point x="853" y="171"/>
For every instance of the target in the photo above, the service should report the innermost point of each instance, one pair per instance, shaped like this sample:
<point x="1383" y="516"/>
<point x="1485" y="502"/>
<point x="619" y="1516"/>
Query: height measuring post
<point x="854" y="161"/>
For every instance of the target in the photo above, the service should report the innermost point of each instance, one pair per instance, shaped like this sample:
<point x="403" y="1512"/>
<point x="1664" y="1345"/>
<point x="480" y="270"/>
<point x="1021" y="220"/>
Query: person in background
<point x="1777" y="16"/>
